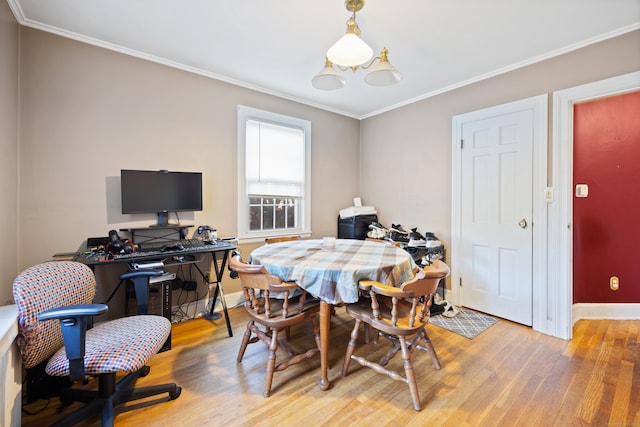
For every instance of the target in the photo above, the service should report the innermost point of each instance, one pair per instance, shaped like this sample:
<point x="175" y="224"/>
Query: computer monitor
<point x="160" y="192"/>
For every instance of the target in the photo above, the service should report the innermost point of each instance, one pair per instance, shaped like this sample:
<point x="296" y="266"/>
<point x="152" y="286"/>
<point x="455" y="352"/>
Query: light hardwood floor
<point x="509" y="375"/>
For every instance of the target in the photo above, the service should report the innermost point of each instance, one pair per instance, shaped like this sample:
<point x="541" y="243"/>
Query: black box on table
<point x="355" y="227"/>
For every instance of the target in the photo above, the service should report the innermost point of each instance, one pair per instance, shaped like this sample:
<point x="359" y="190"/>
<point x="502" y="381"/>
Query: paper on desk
<point x="357" y="210"/>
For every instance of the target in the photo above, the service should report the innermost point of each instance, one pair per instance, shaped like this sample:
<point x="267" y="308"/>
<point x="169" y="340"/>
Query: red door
<point x="606" y="234"/>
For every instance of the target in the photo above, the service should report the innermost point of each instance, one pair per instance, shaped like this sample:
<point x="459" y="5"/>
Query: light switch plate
<point x="582" y="190"/>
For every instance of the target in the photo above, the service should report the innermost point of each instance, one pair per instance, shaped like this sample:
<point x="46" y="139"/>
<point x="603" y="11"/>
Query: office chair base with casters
<point x="109" y="395"/>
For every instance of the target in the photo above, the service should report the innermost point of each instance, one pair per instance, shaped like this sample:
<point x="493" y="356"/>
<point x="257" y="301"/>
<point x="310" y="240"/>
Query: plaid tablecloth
<point x="333" y="274"/>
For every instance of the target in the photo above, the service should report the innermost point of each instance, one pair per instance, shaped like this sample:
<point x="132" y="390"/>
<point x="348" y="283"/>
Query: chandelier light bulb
<point x="383" y="74"/>
<point x="350" y="50"/>
<point x="328" y="78"/>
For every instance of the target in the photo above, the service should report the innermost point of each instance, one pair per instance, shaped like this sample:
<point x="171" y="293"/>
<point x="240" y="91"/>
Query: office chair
<point x="400" y="314"/>
<point x="64" y="290"/>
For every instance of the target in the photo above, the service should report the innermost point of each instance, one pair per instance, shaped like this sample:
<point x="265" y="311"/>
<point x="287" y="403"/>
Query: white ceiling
<point x="277" y="46"/>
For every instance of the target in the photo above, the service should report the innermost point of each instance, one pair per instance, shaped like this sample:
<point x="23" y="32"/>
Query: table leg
<point x="325" y="324"/>
<point x="217" y="290"/>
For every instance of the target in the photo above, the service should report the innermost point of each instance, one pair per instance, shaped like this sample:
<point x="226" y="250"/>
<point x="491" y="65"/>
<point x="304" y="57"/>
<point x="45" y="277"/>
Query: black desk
<point x="176" y="258"/>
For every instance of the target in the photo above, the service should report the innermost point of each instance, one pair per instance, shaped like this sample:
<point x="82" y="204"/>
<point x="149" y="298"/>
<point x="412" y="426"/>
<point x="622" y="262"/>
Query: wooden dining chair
<point x="271" y="240"/>
<point x="400" y="314"/>
<point x="275" y="305"/>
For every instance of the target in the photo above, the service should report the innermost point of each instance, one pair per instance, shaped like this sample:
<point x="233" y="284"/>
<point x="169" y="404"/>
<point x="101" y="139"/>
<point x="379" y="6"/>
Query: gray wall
<point x="88" y="112"/>
<point x="9" y="160"/>
<point x="406" y="153"/>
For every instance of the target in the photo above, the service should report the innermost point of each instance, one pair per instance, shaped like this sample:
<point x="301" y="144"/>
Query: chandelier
<point x="351" y="52"/>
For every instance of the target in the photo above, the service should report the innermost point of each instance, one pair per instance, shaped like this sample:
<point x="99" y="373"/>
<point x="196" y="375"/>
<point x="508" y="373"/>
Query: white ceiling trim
<point x="22" y="20"/>
<point x="159" y="60"/>
<point x="509" y="68"/>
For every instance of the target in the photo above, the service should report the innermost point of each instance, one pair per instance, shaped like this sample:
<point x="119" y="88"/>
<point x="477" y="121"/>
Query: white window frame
<point x="245" y="235"/>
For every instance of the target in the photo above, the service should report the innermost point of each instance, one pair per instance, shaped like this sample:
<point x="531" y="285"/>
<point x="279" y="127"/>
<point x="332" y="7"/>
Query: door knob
<point x="523" y="223"/>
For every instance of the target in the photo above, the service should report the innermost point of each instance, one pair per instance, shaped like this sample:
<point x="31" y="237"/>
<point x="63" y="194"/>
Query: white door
<point x="496" y="210"/>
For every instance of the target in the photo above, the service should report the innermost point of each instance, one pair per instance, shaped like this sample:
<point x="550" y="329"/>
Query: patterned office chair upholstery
<point x="64" y="290"/>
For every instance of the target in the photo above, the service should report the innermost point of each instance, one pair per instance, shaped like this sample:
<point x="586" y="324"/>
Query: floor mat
<point x="467" y="323"/>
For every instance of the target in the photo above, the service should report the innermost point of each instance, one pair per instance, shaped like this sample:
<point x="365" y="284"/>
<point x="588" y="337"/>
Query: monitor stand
<point x="163" y="220"/>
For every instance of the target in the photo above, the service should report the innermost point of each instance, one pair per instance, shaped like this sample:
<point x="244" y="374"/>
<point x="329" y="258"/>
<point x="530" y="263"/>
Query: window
<point x="273" y="174"/>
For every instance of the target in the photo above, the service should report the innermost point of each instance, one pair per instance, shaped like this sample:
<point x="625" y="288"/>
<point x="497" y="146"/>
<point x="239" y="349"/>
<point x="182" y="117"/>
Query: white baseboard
<point x="617" y="311"/>
<point x="232" y="300"/>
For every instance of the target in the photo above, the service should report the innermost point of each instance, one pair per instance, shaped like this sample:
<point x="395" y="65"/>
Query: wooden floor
<point x="509" y="375"/>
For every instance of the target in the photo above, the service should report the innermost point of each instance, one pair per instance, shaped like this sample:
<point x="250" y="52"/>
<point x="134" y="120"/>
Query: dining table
<point x="331" y="272"/>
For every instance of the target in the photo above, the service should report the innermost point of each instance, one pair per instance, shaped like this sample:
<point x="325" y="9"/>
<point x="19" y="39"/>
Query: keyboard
<point x="134" y="255"/>
<point x="167" y="247"/>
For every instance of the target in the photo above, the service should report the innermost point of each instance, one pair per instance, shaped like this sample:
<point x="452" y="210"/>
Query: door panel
<point x="496" y="212"/>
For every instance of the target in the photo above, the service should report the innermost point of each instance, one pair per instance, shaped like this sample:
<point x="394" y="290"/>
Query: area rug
<point x="467" y="323"/>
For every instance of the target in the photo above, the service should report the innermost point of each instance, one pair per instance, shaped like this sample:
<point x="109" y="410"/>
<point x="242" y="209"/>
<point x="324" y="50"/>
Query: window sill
<point x="260" y="239"/>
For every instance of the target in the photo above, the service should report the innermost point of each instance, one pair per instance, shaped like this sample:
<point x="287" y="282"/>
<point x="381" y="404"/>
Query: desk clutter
<point x="115" y="247"/>
<point x="189" y="270"/>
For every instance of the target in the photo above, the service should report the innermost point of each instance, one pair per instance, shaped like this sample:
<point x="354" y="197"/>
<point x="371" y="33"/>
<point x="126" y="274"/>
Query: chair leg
<point x="81" y="414"/>
<point x="350" y="348"/>
<point x="428" y="346"/>
<point x="367" y="331"/>
<point x="107" y="413"/>
<point x="391" y="353"/>
<point x="431" y="349"/>
<point x="245" y="341"/>
<point x="316" y="330"/>
<point x="271" y="362"/>
<point x="410" y="374"/>
<point x="126" y="393"/>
